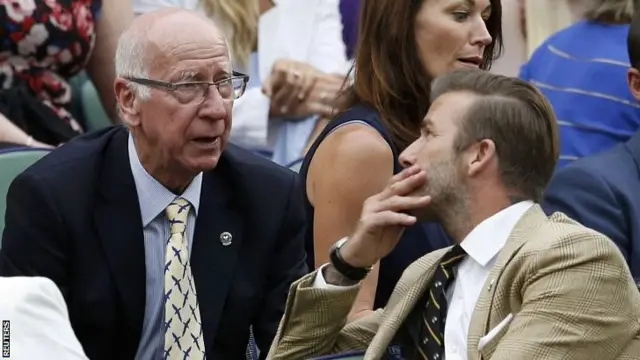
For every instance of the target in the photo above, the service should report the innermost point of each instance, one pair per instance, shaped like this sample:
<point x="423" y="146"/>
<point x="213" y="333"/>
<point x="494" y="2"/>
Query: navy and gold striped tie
<point x="431" y="344"/>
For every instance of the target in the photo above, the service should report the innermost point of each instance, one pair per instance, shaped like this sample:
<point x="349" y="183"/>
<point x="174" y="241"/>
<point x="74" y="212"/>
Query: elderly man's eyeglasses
<point x="196" y="91"/>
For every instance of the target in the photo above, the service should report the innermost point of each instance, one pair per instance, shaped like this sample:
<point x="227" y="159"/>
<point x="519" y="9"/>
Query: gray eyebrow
<point x="187" y="76"/>
<point x="193" y="76"/>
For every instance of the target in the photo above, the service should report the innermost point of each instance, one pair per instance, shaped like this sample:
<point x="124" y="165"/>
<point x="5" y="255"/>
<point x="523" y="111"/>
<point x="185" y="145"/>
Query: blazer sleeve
<point x="578" y="302"/>
<point x="288" y="263"/>
<point x="586" y="197"/>
<point x="38" y="312"/>
<point x="34" y="242"/>
<point x="315" y="323"/>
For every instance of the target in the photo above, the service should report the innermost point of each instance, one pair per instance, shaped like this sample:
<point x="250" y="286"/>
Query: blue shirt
<point x="582" y="70"/>
<point x="154" y="199"/>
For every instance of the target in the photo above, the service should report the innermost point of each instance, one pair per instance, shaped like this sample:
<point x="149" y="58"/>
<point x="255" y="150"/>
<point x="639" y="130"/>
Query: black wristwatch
<point x="347" y="270"/>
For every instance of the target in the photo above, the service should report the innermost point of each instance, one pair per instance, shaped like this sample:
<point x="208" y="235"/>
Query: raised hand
<point x="384" y="218"/>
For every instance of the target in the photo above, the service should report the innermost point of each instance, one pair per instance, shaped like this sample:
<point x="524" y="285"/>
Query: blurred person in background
<point x="601" y="191"/>
<point x="514" y="42"/>
<point x="293" y="52"/>
<point x="44" y="44"/>
<point x="402" y="45"/>
<point x="582" y="70"/>
<point x="349" y="10"/>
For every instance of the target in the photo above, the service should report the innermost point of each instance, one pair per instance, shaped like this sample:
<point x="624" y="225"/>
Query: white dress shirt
<point x="482" y="244"/>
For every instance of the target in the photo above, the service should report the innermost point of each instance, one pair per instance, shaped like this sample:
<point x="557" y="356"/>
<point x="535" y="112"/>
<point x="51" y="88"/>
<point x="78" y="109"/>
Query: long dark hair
<point x="389" y="75"/>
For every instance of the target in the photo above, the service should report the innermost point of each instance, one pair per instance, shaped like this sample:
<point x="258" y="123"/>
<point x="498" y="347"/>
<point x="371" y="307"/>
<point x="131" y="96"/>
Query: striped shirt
<point x="582" y="70"/>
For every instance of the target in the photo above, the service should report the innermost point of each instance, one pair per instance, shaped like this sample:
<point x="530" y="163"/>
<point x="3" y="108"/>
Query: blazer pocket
<point x="493" y="333"/>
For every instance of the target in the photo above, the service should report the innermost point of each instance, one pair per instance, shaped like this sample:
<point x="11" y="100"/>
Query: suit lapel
<point x="404" y="298"/>
<point x="119" y="226"/>
<point x="482" y="313"/>
<point x="213" y="263"/>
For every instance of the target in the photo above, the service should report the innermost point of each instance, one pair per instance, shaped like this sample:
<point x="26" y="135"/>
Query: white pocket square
<point x="492" y="334"/>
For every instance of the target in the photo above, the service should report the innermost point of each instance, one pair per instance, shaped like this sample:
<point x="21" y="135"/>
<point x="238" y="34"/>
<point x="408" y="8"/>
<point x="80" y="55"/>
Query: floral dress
<point x="44" y="43"/>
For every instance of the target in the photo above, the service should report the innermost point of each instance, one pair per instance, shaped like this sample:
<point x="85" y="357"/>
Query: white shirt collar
<point x="486" y="240"/>
<point x="153" y="196"/>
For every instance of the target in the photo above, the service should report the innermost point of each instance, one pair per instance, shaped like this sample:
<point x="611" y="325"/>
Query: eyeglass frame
<point x="173" y="86"/>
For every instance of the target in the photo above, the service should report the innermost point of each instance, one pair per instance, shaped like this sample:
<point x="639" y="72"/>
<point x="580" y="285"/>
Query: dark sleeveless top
<point x="416" y="241"/>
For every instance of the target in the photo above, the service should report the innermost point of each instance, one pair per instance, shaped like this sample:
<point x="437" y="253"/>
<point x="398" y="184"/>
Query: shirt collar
<point x="486" y="240"/>
<point x="153" y="196"/>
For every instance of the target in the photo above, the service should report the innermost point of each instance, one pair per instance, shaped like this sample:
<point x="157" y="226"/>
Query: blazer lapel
<point x="119" y="227"/>
<point x="480" y="319"/>
<point x="216" y="244"/>
<point x="402" y="301"/>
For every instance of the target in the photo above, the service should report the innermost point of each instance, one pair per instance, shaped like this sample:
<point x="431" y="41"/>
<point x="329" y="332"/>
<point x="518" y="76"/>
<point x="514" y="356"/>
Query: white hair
<point x="130" y="62"/>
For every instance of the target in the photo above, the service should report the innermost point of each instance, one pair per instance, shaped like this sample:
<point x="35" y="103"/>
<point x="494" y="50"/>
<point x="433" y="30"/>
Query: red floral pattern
<point x="44" y="43"/>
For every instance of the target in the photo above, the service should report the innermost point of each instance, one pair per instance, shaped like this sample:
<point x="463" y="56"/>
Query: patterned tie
<point x="431" y="344"/>
<point x="182" y="327"/>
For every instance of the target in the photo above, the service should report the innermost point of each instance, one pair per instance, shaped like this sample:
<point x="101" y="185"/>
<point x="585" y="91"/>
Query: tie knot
<point x="453" y="257"/>
<point x="177" y="213"/>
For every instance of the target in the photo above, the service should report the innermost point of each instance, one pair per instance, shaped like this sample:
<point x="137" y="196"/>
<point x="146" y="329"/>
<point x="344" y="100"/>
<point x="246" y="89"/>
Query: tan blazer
<point x="567" y="289"/>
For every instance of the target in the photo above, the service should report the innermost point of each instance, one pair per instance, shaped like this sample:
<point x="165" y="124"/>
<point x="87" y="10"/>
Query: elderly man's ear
<point x="128" y="103"/>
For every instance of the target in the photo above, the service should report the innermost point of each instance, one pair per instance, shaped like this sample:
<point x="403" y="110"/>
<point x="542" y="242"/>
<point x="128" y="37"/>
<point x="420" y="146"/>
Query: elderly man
<point x="165" y="241"/>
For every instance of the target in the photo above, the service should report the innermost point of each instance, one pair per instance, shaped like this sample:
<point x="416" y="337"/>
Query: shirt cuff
<point x="321" y="283"/>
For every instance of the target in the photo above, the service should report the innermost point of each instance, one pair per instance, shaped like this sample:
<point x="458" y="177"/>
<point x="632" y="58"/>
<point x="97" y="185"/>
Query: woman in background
<point x="293" y="52"/>
<point x="582" y="70"/>
<point x="44" y="44"/>
<point x="402" y="45"/>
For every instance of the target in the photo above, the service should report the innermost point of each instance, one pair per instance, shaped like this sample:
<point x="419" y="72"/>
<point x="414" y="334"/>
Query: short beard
<point x="449" y="195"/>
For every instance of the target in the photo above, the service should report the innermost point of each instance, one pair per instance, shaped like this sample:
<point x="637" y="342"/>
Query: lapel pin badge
<point x="226" y="238"/>
<point x="490" y="285"/>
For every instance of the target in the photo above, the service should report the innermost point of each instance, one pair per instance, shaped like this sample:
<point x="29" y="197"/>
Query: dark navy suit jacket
<point x="603" y="193"/>
<point x="74" y="217"/>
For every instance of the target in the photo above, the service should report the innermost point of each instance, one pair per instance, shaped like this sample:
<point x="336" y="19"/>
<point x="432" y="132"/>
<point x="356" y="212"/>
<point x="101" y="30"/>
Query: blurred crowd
<point x="254" y="134"/>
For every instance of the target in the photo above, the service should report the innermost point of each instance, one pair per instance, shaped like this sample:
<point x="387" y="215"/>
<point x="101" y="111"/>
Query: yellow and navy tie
<point x="431" y="340"/>
<point x="182" y="324"/>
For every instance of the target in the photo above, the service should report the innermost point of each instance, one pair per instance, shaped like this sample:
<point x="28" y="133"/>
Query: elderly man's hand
<point x="384" y="217"/>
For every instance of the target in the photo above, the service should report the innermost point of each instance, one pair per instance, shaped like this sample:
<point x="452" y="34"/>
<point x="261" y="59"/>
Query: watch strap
<point x="347" y="270"/>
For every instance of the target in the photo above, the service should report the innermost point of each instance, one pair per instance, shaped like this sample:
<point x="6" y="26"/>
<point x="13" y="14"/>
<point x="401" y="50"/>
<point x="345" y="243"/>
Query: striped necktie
<point x="182" y="326"/>
<point x="431" y="341"/>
